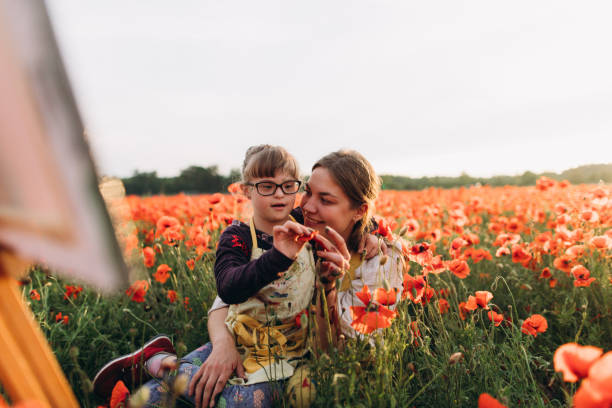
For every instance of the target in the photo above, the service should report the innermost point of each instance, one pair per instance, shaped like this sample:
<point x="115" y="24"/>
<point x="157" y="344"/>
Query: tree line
<point x="195" y="180"/>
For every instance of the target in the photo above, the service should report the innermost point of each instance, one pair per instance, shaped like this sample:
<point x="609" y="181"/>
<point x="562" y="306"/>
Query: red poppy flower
<point x="534" y="324"/>
<point x="420" y="253"/>
<point x="366" y="320"/>
<point x="234" y="188"/>
<point x="574" y="360"/>
<point x="172" y="296"/>
<point x="149" y="256"/>
<point x="459" y="268"/>
<point x="463" y="310"/>
<point x="482" y="299"/>
<point x="384" y="230"/>
<point x="364" y="295"/>
<point x="480" y="254"/>
<point x="496" y="318"/>
<point x="119" y="395"/>
<point x="306" y="237"/>
<point x="62" y="318"/>
<point x="502" y="251"/>
<point x="414" y="287"/>
<point x="563" y="263"/>
<point x="546" y="273"/>
<point x="520" y="255"/>
<point x="601" y="242"/>
<point x="72" y="291"/>
<point x="166" y="222"/>
<point x="34" y="295"/>
<point x="582" y="276"/>
<point x="443" y="306"/>
<point x="190" y="264"/>
<point x="600" y="376"/>
<point x="138" y="290"/>
<point x="487" y="401"/>
<point x="385" y="297"/>
<point x="162" y="274"/>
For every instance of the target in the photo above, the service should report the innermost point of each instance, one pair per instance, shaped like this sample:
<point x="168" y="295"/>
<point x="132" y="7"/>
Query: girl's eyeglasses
<point x="268" y="188"/>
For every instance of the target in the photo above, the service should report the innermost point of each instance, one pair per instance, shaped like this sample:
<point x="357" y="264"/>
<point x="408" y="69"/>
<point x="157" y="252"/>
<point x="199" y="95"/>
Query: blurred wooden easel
<point x="50" y="208"/>
<point x="28" y="368"/>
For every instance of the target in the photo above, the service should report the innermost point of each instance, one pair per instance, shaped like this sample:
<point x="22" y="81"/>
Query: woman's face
<point x="326" y="204"/>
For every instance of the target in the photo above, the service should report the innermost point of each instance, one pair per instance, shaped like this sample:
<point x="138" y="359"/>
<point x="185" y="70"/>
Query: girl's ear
<point x="361" y="212"/>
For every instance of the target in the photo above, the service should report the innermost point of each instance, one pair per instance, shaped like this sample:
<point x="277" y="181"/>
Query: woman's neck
<point x="265" y="225"/>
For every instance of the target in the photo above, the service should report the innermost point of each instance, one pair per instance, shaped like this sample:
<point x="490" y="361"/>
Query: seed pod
<point x="455" y="358"/>
<point x="383" y="259"/>
<point x="180" y="384"/>
<point x="140" y="399"/>
<point x="386" y="285"/>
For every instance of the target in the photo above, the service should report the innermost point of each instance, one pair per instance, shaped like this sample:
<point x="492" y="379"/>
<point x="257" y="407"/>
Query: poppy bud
<point x="140" y="398"/>
<point x="455" y="358"/>
<point x="402" y="232"/>
<point x="386" y="285"/>
<point x="411" y="367"/>
<point x="383" y="259"/>
<point x="73" y="352"/>
<point x="181" y="348"/>
<point x="180" y="384"/>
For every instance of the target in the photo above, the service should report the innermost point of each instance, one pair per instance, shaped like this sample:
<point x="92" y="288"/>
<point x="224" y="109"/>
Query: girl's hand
<point x="286" y="238"/>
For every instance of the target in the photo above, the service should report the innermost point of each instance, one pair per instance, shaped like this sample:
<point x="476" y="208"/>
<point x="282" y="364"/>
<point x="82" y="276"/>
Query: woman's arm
<point x="222" y="362"/>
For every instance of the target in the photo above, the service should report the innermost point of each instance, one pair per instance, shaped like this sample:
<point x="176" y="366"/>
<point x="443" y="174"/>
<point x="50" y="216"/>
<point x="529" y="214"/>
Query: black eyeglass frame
<point x="276" y="186"/>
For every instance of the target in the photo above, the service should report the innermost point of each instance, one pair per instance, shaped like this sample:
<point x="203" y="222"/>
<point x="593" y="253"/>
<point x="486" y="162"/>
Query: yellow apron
<point x="264" y="326"/>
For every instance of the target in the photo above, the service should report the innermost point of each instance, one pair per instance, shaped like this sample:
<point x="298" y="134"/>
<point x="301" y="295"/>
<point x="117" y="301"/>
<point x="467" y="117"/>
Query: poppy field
<point x="506" y="287"/>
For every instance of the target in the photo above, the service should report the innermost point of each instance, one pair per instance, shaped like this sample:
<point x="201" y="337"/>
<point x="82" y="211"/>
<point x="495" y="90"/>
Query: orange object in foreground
<point x="26" y="354"/>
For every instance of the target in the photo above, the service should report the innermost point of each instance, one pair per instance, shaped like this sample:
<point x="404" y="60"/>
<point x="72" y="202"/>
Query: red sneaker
<point x="130" y="368"/>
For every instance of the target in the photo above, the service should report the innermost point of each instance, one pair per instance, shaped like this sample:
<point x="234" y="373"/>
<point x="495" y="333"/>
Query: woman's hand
<point x="335" y="256"/>
<point x="223" y="361"/>
<point x="211" y="377"/>
<point x="286" y="238"/>
<point x="371" y="244"/>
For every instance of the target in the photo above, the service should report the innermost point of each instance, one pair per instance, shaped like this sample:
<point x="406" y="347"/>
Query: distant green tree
<point x="195" y="179"/>
<point x="143" y="183"/>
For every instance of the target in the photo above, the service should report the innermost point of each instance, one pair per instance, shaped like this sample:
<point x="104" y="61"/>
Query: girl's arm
<point x="237" y="276"/>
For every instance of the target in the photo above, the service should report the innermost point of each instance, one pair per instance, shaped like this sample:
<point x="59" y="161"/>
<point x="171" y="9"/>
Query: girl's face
<point x="274" y="209"/>
<point x="326" y="204"/>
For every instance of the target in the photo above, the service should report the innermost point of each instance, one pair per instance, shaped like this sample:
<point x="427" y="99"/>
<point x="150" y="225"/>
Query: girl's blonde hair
<point x="266" y="160"/>
<point x="357" y="178"/>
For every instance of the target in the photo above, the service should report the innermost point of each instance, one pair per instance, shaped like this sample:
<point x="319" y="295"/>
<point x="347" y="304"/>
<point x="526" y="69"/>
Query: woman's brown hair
<point x="357" y="178"/>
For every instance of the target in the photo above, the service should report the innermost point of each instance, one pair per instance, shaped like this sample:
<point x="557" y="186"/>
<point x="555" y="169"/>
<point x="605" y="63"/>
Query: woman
<point x="340" y="195"/>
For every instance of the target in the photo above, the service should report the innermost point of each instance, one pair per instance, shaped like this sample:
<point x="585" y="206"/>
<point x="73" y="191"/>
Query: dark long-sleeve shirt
<point x="237" y="276"/>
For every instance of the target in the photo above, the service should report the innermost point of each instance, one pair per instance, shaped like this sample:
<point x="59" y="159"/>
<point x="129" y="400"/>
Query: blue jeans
<point x="261" y="395"/>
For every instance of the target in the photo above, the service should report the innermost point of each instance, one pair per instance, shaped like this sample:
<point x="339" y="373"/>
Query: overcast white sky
<point x="419" y="87"/>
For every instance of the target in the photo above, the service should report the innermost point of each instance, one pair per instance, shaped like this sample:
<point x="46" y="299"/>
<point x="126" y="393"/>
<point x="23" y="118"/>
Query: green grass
<point x="401" y="369"/>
